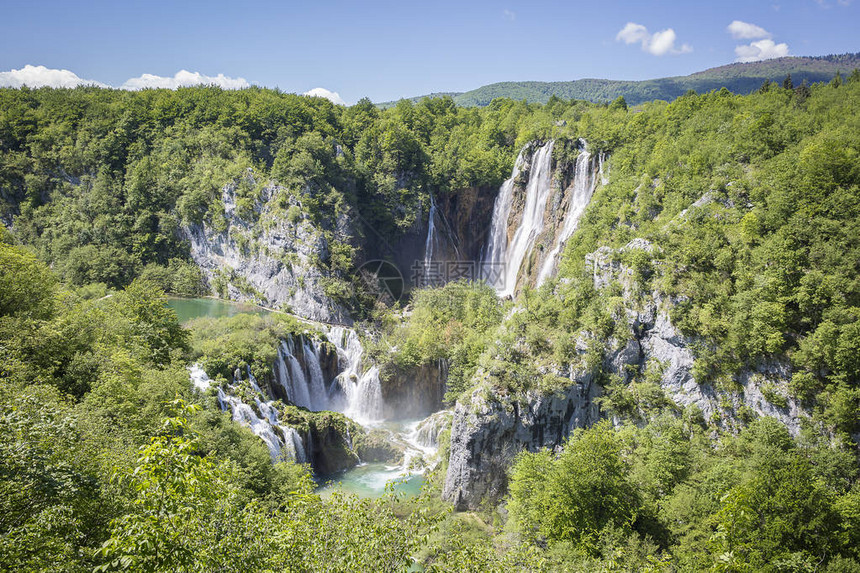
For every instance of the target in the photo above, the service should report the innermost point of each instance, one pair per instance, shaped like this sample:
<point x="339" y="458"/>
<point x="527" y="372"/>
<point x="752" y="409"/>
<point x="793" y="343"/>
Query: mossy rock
<point x="377" y="446"/>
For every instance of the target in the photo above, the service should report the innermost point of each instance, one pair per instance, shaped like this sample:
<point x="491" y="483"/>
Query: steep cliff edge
<point x="270" y="255"/>
<point x="489" y="431"/>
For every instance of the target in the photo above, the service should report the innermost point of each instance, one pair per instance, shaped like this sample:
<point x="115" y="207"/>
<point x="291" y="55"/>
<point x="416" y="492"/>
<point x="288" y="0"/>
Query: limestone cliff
<point x="267" y="255"/>
<point x="488" y="431"/>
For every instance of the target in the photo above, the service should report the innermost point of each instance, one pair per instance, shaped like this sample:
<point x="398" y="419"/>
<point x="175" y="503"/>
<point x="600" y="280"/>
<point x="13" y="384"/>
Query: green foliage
<point x="186" y="516"/>
<point x="27" y="286"/>
<point x="222" y="345"/>
<point x="451" y="323"/>
<point x="576" y="496"/>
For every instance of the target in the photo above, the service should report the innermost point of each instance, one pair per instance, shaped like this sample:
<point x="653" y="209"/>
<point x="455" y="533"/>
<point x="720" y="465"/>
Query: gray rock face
<point x="655" y="339"/>
<point x="489" y="431"/>
<point x="415" y="392"/>
<point x="270" y="262"/>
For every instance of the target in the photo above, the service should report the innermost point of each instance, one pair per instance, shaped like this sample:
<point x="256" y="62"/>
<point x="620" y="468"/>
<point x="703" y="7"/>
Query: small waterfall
<point x="264" y="428"/>
<point x="283" y="442"/>
<point x="199" y="379"/>
<point x="584" y="182"/>
<point x="432" y="238"/>
<point x="361" y="392"/>
<point x="293" y="445"/>
<point x="504" y="259"/>
<point x="316" y="381"/>
<point x="291" y="376"/>
<point x="425" y="434"/>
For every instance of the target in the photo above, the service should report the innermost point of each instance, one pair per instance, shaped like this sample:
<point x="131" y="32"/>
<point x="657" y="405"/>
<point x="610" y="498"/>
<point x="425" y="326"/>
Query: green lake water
<point x="190" y="308"/>
<point x="369" y="480"/>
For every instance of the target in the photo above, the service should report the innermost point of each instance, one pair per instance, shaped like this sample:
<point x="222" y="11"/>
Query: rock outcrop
<point x="271" y="260"/>
<point x="489" y="431"/>
<point x="758" y="391"/>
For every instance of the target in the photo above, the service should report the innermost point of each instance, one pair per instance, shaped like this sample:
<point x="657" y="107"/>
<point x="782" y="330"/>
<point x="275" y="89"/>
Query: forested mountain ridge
<point x="739" y="78"/>
<point x="681" y="395"/>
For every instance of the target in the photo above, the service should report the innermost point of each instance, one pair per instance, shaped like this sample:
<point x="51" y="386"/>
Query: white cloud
<point x="632" y="33"/>
<point x="334" y="97"/>
<point x="40" y="76"/>
<point x="659" y="43"/>
<point x="509" y="14"/>
<point x="747" y="31"/>
<point x="761" y="50"/>
<point x="184" y="78"/>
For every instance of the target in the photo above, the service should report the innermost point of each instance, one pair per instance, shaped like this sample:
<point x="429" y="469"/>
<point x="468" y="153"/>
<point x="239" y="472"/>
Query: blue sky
<point x="387" y="50"/>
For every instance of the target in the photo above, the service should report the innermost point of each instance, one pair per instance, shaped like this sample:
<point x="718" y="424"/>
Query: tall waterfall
<point x="503" y="259"/>
<point x="584" y="182"/>
<point x="440" y="245"/>
<point x="494" y="255"/>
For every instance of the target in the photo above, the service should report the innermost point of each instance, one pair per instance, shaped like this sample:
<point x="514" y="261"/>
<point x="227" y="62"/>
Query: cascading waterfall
<point x="503" y="259"/>
<point x="264" y="427"/>
<point x="293" y="445"/>
<point x="361" y="392"/>
<point x="302" y="381"/>
<point x="584" y="182"/>
<point x="354" y="392"/>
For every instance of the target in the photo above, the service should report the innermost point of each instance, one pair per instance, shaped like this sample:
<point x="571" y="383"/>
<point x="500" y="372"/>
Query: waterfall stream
<point x="504" y="258"/>
<point x="439" y="246"/>
<point x="432" y="235"/>
<point x="584" y="182"/>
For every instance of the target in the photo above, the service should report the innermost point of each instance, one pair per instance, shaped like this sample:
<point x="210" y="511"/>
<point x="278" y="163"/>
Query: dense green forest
<point x="741" y="78"/>
<point x="110" y="460"/>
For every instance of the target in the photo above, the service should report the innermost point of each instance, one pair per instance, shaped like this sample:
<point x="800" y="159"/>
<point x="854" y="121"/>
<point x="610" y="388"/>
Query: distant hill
<point x="738" y="78"/>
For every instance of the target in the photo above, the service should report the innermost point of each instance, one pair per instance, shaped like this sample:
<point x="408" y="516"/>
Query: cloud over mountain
<point x="762" y="49"/>
<point x="659" y="43"/>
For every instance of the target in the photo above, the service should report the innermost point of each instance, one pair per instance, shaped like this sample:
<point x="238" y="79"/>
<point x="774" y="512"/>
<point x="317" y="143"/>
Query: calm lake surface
<point x="190" y="308"/>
